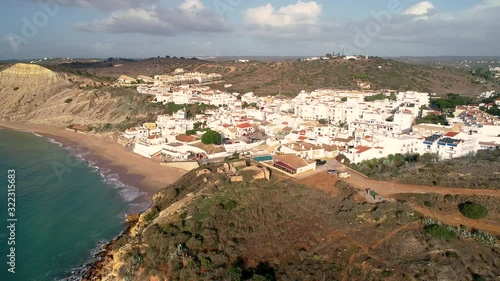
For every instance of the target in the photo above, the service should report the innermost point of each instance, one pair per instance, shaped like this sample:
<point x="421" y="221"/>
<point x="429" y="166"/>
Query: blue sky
<point x="145" y="28"/>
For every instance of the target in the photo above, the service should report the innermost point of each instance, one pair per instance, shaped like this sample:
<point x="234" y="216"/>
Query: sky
<point x="148" y="28"/>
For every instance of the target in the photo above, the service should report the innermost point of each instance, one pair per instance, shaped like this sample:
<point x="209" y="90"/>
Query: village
<point x="297" y="135"/>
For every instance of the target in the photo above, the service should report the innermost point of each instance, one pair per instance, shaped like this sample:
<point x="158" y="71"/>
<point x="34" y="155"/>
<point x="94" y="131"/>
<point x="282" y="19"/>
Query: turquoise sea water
<point x="64" y="208"/>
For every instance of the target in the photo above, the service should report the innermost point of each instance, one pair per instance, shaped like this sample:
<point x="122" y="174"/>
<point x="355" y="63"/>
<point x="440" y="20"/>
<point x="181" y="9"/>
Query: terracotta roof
<point x="244" y="126"/>
<point x="343" y="140"/>
<point x="360" y="149"/>
<point x="451" y="134"/>
<point x="292" y="160"/>
<point x="210" y="148"/>
<point x="185" y="138"/>
<point x="434" y="113"/>
<point x="488" y="143"/>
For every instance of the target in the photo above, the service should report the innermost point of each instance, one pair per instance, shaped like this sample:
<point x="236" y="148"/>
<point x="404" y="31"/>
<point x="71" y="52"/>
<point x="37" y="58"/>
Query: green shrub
<point x="153" y="214"/>
<point x="230" y="205"/>
<point x="386" y="273"/>
<point x="233" y="274"/>
<point x="478" y="277"/>
<point x="473" y="210"/>
<point x="211" y="137"/>
<point x="449" y="198"/>
<point x="440" y="232"/>
<point x="68" y="100"/>
<point x="356" y="271"/>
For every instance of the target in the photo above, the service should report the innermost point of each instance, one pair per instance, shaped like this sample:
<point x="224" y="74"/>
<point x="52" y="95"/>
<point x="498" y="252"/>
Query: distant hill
<point x="292" y="76"/>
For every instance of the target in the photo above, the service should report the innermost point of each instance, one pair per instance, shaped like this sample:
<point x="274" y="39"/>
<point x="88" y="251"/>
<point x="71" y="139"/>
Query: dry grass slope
<point x="284" y="231"/>
<point x="267" y="78"/>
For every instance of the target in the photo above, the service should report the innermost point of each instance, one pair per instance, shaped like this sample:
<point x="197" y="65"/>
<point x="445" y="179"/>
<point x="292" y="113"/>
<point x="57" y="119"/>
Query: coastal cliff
<point x="206" y="227"/>
<point x="34" y="94"/>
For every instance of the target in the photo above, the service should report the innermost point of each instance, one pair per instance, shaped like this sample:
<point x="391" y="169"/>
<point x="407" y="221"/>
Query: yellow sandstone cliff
<point x="34" y="94"/>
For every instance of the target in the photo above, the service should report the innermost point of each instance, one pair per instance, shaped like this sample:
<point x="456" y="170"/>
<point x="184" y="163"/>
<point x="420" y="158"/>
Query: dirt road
<point x="391" y="189"/>
<point x="321" y="180"/>
<point x="457" y="220"/>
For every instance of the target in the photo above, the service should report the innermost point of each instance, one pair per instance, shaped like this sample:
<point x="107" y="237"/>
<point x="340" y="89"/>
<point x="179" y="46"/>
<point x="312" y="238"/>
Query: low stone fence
<point x="185" y="165"/>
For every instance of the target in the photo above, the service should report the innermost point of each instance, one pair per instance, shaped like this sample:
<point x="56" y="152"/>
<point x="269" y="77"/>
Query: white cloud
<point x="296" y="14"/>
<point x="194" y="5"/>
<point x="474" y="29"/>
<point x="419" y="9"/>
<point x="190" y="17"/>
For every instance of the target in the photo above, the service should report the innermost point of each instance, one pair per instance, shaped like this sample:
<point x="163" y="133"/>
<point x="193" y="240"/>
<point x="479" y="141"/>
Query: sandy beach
<point x="132" y="169"/>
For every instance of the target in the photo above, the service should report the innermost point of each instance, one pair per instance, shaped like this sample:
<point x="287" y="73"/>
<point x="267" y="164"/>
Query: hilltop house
<point x="293" y="164"/>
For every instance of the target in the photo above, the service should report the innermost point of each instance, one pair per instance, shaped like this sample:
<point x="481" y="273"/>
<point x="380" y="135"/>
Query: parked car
<point x="344" y="175"/>
<point x="331" y="172"/>
<point x="320" y="162"/>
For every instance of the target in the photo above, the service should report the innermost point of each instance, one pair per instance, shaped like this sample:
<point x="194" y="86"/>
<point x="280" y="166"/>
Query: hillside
<point x="475" y="171"/>
<point x="34" y="94"/>
<point x="204" y="227"/>
<point x="267" y="78"/>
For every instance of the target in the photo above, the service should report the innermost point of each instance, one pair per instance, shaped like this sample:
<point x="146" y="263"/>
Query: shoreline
<point x="133" y="170"/>
<point x="141" y="177"/>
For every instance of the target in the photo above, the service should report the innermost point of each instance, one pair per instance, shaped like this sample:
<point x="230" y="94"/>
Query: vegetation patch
<point x="474" y="171"/>
<point x="448" y="232"/>
<point x="441" y="232"/>
<point x="473" y="210"/>
<point x="211" y="137"/>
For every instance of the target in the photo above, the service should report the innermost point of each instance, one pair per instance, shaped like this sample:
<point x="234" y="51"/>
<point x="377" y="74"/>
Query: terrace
<point x="449" y="142"/>
<point x="432" y="139"/>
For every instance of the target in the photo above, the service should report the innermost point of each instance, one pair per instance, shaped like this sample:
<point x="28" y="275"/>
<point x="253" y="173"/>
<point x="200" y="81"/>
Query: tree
<point x="197" y="126"/>
<point x="211" y="137"/>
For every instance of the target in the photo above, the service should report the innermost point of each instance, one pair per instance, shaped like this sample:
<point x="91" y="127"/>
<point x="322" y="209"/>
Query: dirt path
<point x="393" y="189"/>
<point x="321" y="181"/>
<point x="366" y="250"/>
<point x="390" y="189"/>
<point x="457" y="220"/>
<point x="412" y="226"/>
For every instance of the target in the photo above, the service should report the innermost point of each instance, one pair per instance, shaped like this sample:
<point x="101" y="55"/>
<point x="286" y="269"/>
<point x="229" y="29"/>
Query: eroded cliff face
<point x="34" y="94"/>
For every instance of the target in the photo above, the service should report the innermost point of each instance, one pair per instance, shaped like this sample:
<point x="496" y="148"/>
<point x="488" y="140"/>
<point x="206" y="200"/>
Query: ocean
<point x="66" y="207"/>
